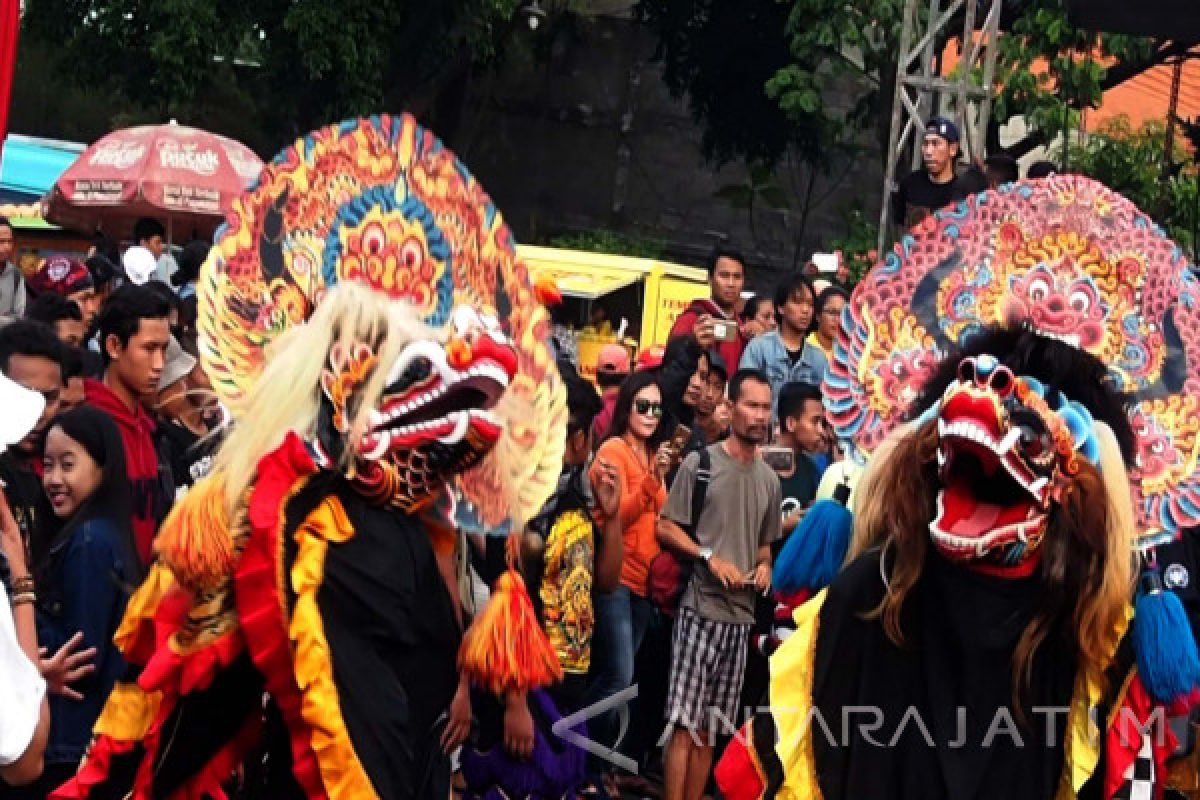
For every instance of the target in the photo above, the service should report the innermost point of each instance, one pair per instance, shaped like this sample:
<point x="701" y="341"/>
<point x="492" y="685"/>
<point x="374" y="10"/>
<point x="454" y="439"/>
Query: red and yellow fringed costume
<point x="383" y="353"/>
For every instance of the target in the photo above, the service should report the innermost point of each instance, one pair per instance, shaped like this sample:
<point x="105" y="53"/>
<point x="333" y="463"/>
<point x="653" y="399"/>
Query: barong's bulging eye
<point x="1036" y="443"/>
<point x="1001" y="381"/>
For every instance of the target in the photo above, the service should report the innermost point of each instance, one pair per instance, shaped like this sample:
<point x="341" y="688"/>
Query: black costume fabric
<point x="393" y="638"/>
<point x="956" y="680"/>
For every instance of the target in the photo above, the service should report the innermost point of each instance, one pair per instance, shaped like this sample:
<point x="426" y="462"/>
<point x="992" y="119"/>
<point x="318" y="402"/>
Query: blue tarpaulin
<point x="29" y="167"/>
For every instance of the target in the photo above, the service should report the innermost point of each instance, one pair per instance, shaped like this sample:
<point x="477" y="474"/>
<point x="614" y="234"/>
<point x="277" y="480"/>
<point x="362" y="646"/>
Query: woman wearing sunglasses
<point x="623" y="615"/>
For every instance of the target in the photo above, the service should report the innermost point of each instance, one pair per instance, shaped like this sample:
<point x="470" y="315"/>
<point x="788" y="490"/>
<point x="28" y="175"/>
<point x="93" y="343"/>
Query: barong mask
<point x="1063" y="257"/>
<point x="472" y="403"/>
<point x="1008" y="448"/>
<point x="434" y="418"/>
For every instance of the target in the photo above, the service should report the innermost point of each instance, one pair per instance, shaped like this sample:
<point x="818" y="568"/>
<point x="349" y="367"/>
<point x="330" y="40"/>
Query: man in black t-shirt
<point x="940" y="182"/>
<point x="800" y="415"/>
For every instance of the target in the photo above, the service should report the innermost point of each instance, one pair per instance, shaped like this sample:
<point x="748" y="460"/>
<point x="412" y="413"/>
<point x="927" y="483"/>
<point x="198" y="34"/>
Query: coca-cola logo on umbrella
<point x="172" y="155"/>
<point x="117" y="154"/>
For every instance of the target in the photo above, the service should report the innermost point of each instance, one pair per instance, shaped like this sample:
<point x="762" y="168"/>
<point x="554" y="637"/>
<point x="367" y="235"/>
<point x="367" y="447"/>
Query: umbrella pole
<point x="170" y="242"/>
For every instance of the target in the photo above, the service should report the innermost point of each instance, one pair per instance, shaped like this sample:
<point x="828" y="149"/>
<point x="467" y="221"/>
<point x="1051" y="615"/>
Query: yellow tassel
<point x="195" y="540"/>
<point x="505" y="647"/>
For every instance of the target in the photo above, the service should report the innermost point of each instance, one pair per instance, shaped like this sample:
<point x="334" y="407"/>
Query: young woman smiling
<point x="86" y="565"/>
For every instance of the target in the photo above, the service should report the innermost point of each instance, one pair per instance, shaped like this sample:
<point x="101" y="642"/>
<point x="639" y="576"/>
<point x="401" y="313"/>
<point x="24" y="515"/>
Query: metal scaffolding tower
<point x="920" y="92"/>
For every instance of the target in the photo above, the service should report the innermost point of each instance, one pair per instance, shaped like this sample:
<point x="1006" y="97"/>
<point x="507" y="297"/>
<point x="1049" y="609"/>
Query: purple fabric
<point x="555" y="770"/>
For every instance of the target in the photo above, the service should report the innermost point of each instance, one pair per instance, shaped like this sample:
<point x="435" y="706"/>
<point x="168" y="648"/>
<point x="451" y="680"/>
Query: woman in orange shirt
<point x="623" y="614"/>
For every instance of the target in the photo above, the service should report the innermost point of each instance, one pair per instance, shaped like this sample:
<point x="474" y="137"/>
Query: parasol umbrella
<point x="182" y="175"/>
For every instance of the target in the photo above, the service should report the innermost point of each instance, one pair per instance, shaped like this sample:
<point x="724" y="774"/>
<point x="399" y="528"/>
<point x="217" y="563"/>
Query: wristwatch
<point x="705" y="554"/>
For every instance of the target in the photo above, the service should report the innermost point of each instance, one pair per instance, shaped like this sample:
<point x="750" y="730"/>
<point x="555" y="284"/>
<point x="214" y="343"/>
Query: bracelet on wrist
<point x="22" y="584"/>
<point x="25" y="598"/>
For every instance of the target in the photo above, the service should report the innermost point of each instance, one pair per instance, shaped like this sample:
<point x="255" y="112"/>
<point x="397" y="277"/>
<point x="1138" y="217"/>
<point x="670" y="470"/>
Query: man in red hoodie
<point x="133" y="337"/>
<point x="702" y="319"/>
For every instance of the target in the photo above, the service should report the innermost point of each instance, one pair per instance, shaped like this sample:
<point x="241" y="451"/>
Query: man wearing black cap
<point x="939" y="183"/>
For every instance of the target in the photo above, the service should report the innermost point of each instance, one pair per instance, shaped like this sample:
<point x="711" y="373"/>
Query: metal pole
<point x="894" y="145"/>
<point x="1172" y="114"/>
<point x="991" y="30"/>
<point x="927" y="104"/>
<point x="966" y="64"/>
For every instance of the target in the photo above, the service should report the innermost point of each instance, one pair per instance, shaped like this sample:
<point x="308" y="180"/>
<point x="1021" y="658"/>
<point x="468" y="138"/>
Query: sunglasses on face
<point x="646" y="407"/>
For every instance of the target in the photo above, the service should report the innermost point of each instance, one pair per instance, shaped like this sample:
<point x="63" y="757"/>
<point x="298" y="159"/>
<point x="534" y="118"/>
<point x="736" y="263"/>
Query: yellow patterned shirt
<point x="566" y="589"/>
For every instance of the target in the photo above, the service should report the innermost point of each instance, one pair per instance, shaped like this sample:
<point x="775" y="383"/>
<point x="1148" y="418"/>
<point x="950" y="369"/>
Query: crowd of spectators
<point x="124" y="423"/>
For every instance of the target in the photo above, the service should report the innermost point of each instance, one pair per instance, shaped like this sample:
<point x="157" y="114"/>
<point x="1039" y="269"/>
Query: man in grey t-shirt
<point x="732" y="553"/>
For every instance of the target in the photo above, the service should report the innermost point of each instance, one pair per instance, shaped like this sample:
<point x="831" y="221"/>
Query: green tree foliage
<point x="1133" y="162"/>
<point x="718" y="52"/>
<point x="1047" y="69"/>
<point x="855" y="44"/>
<point x="760" y="189"/>
<point x="857" y="245"/>
<point x="301" y="62"/>
<point x="721" y="55"/>
<point x="600" y="240"/>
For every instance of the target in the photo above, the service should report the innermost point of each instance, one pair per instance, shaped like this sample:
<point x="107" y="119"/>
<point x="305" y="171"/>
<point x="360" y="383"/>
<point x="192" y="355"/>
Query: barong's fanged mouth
<point x="997" y="459"/>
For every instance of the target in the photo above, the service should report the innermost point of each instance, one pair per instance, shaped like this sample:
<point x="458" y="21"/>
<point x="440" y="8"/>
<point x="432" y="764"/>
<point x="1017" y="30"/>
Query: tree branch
<point x="1113" y="77"/>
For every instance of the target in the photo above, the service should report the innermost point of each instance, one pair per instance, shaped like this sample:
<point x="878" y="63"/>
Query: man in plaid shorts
<point x="731" y="550"/>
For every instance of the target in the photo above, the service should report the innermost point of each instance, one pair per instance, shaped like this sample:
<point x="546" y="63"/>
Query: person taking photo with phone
<point x="713" y="321"/>
<point x="801" y="432"/>
<point x="683" y="379"/>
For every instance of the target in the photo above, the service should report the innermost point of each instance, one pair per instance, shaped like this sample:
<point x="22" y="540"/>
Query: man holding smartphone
<point x="732" y="551"/>
<point x="800" y="416"/>
<point x="801" y="431"/>
<point x="713" y="321"/>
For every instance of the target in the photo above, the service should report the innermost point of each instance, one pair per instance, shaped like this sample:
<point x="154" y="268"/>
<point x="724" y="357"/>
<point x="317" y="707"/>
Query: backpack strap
<point x="700" y="491"/>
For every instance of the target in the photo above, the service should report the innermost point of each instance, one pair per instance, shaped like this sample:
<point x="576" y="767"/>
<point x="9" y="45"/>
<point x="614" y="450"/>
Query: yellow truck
<point x="647" y="294"/>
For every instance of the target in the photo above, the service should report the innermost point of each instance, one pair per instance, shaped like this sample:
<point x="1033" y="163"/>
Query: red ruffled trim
<point x="176" y="675"/>
<point x="260" y="599"/>
<point x="95" y="768"/>
<point x="208" y="782"/>
<point x="1124" y="739"/>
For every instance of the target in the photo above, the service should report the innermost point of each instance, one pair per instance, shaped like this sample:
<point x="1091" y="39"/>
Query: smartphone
<point x="725" y="331"/>
<point x="680" y="438"/>
<point x="780" y="459"/>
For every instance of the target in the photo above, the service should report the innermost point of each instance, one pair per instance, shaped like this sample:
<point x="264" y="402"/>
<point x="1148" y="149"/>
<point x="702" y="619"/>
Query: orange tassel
<point x="547" y="292"/>
<point x="195" y="540"/>
<point x="506" y="649"/>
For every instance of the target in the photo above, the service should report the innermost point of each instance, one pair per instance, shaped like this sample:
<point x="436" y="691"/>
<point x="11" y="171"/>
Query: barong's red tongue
<point x="964" y="515"/>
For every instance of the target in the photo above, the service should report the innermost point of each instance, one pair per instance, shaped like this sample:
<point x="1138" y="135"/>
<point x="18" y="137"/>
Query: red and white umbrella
<point x="182" y="175"/>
